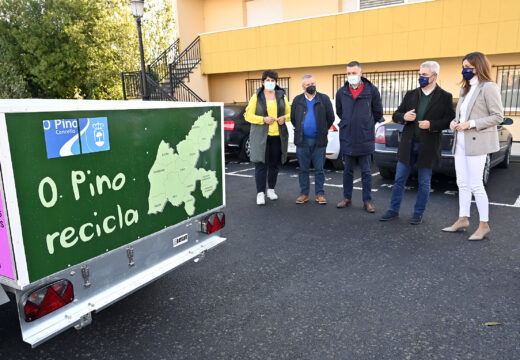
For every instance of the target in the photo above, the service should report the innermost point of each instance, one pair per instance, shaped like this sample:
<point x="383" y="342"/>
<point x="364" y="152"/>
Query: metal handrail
<point x="187" y="60"/>
<point x="160" y="66"/>
<point x="174" y="46"/>
<point x="131" y="84"/>
<point x="184" y="93"/>
<point x="161" y="69"/>
<point x="155" y="92"/>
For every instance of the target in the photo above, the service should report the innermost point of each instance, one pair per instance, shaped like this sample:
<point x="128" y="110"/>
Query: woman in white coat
<point x="479" y="111"/>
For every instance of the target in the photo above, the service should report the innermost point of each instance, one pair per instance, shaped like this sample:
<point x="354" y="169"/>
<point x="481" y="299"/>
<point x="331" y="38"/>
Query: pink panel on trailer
<point x="6" y="261"/>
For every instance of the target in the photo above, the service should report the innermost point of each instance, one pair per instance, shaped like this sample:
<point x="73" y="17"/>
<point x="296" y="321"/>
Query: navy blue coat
<point x="358" y="119"/>
<point x="324" y="118"/>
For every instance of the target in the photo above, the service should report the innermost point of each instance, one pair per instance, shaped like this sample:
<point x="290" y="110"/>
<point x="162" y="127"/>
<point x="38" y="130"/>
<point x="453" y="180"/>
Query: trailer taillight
<point x="213" y="222"/>
<point x="48" y="299"/>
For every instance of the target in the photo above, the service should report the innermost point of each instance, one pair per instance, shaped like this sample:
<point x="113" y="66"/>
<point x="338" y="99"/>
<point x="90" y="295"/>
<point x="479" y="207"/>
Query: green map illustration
<point x="174" y="175"/>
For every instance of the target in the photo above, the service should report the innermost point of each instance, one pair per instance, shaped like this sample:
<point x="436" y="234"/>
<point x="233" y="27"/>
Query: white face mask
<point x="269" y="85"/>
<point x="353" y="80"/>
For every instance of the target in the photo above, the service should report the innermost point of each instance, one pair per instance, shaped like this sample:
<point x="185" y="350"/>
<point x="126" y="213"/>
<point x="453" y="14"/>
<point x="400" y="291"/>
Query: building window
<point x="253" y="84"/>
<point x="367" y="4"/>
<point x="508" y="80"/>
<point x="392" y="85"/>
<point x="357" y="5"/>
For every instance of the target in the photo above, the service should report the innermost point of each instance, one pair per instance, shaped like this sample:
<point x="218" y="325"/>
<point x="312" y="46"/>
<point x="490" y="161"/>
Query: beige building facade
<point x="391" y="38"/>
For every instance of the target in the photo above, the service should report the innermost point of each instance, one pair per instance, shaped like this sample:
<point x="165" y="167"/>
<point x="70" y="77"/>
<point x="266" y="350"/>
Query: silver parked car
<point x="388" y="136"/>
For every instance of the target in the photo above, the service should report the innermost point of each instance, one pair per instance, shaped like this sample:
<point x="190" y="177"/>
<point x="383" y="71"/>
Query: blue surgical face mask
<point x="467" y="73"/>
<point x="353" y="80"/>
<point x="269" y="85"/>
<point x="424" y="81"/>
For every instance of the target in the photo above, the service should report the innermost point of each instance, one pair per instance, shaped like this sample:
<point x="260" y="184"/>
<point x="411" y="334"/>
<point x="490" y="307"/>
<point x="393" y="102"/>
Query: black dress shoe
<point x="416" y="219"/>
<point x="389" y="215"/>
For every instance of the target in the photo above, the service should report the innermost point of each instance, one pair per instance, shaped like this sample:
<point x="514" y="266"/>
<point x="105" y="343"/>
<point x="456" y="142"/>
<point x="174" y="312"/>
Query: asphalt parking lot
<point x="502" y="190"/>
<point x="316" y="282"/>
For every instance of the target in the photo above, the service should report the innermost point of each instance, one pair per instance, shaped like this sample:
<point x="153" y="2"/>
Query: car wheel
<point x="338" y="163"/>
<point x="386" y="173"/>
<point x="245" y="150"/>
<point x="505" y="163"/>
<point x="487" y="170"/>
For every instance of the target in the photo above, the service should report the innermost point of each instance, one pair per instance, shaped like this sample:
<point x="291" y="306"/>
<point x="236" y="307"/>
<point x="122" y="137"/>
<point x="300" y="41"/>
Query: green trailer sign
<point x="88" y="182"/>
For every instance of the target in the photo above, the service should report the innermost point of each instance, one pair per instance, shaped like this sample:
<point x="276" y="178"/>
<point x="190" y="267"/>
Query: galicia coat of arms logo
<point x="94" y="135"/>
<point x="99" y="133"/>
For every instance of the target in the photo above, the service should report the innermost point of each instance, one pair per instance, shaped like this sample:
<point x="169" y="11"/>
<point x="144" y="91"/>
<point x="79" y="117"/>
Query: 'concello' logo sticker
<point x="67" y="137"/>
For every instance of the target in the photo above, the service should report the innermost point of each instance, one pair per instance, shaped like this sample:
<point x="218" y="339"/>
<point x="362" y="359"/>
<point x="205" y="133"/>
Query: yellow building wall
<point x="230" y="87"/>
<point x="223" y="14"/>
<point x="198" y="83"/>
<point x="297" y="9"/>
<point x="261" y="12"/>
<point x="453" y="28"/>
<point x="349" y="5"/>
<point x="198" y="16"/>
<point x="190" y="21"/>
<point x="195" y="17"/>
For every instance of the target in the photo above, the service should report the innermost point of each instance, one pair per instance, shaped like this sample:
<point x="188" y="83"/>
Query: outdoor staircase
<point x="166" y="76"/>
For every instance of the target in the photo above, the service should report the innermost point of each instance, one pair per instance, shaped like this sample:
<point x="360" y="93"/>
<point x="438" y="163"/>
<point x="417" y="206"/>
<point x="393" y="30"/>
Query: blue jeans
<point x="307" y="152"/>
<point x="365" y="162"/>
<point x="401" y="175"/>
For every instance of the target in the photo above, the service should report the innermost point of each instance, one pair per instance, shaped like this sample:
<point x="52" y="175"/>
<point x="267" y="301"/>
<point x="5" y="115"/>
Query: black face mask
<point x="311" y="89"/>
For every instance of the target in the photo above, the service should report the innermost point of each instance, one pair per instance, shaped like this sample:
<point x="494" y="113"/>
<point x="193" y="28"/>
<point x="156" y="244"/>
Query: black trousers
<point x="268" y="171"/>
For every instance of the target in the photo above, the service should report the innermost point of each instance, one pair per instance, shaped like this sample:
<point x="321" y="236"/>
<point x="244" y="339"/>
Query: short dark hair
<point x="270" y="73"/>
<point x="354" y="63"/>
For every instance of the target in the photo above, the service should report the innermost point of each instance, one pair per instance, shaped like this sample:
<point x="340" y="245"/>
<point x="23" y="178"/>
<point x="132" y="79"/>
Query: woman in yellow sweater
<point x="268" y="111"/>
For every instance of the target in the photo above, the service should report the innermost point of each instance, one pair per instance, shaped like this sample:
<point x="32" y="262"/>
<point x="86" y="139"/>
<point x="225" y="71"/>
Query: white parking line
<point x="243" y="170"/>
<point x="500" y="204"/>
<point x="341" y="186"/>
<point x="407" y="188"/>
<point x="234" y="173"/>
<point x="240" y="175"/>
<point x="355" y="181"/>
<point x="359" y="179"/>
